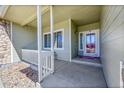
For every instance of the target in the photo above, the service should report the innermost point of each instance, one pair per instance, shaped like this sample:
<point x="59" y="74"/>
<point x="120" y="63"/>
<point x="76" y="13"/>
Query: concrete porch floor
<point x="73" y="75"/>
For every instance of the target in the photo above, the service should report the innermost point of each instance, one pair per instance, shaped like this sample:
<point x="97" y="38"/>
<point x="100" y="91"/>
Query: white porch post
<point x="52" y="35"/>
<point x="39" y="41"/>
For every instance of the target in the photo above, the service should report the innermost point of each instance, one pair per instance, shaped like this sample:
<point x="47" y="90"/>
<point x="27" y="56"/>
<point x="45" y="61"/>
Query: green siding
<point x="112" y="42"/>
<point x="21" y="38"/>
<point x="62" y="54"/>
<point x="74" y="40"/>
<point x="87" y="27"/>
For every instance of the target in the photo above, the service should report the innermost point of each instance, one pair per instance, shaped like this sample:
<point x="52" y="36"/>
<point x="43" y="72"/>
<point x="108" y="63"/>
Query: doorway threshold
<point x="91" y="62"/>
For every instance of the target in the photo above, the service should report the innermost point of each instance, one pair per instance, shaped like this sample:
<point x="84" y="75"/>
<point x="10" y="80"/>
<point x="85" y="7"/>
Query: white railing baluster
<point x="46" y="63"/>
<point x="52" y="63"/>
<point x="44" y="66"/>
<point x="47" y="60"/>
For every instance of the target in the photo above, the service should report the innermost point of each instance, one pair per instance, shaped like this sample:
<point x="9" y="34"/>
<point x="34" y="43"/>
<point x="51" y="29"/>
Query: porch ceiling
<point x="22" y="14"/>
<point x="26" y="15"/>
<point x="80" y="14"/>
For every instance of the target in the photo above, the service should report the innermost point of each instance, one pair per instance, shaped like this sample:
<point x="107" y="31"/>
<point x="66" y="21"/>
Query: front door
<point x="90" y="43"/>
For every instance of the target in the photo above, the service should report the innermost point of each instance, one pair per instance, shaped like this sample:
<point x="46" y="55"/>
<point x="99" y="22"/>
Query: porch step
<point x="87" y="63"/>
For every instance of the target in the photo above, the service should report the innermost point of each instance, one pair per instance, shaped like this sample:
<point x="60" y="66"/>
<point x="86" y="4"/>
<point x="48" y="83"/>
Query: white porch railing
<point x="30" y="56"/>
<point x="47" y="61"/>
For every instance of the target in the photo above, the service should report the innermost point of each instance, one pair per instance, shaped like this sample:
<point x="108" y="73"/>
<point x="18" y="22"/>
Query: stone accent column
<point x="5" y="42"/>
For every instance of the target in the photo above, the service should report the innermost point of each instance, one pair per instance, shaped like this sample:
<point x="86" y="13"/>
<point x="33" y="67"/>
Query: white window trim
<point x="79" y="41"/>
<point x="58" y="30"/>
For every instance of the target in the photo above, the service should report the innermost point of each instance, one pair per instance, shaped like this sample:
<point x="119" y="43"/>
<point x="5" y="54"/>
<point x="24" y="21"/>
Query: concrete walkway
<point x="18" y="75"/>
<point x="72" y="75"/>
<point x="1" y="84"/>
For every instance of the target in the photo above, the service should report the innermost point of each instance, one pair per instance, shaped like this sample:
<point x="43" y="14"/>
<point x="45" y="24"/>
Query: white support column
<point x="52" y="36"/>
<point x="51" y="28"/>
<point x="39" y="42"/>
<point x="70" y="40"/>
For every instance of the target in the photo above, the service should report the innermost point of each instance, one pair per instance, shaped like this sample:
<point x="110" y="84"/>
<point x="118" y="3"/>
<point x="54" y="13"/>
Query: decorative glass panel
<point x="81" y="40"/>
<point x="90" y="42"/>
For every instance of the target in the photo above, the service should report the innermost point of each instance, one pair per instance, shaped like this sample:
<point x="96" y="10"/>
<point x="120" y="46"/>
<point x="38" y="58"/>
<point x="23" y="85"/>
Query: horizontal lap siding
<point x="74" y="40"/>
<point x="22" y="37"/>
<point x="62" y="54"/>
<point x="112" y="42"/>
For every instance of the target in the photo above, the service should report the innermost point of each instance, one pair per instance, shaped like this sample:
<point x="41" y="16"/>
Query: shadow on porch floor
<point x="91" y="61"/>
<point x="72" y="75"/>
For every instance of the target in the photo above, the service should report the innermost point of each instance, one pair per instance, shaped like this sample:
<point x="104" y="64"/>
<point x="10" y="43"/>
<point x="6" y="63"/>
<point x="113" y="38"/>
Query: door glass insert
<point x="90" y="43"/>
<point x="81" y="41"/>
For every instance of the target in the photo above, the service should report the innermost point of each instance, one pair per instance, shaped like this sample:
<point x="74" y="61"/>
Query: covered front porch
<point x="57" y="44"/>
<point x="58" y="41"/>
<point x="45" y="33"/>
<point x="67" y="74"/>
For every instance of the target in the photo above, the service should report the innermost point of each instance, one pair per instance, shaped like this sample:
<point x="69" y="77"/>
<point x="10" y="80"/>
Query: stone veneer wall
<point x="5" y="42"/>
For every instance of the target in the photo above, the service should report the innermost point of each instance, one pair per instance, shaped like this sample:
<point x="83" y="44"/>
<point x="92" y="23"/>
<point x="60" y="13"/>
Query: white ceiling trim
<point x="33" y="16"/>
